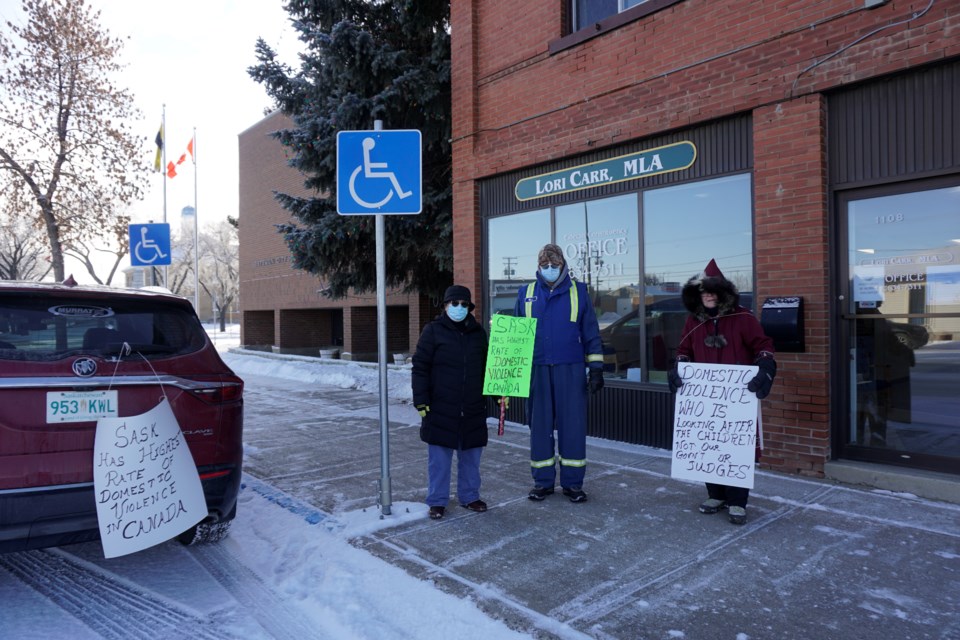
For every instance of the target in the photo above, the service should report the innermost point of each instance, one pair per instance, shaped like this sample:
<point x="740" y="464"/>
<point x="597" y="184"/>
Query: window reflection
<point x="589" y="12"/>
<point x="684" y="227"/>
<point x="600" y="240"/>
<point x="513" y="244"/>
<point x="904" y="263"/>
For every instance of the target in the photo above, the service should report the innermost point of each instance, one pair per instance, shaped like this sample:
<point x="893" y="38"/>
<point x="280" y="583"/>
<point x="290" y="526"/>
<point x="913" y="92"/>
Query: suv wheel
<point x="205" y="533"/>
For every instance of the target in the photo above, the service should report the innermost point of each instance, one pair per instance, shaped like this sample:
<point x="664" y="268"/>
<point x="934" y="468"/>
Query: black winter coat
<point x="448" y="369"/>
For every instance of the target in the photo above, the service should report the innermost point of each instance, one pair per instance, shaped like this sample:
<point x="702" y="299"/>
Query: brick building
<point x="812" y="148"/>
<point x="283" y="308"/>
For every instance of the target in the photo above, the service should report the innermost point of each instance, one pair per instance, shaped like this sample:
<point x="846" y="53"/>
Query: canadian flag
<point x="172" y="167"/>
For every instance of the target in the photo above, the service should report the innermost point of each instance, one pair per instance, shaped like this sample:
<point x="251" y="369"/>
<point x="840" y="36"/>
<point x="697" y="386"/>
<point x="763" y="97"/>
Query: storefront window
<point x="904" y="322"/>
<point x="601" y="242"/>
<point x="684" y="227"/>
<point x="514" y="242"/>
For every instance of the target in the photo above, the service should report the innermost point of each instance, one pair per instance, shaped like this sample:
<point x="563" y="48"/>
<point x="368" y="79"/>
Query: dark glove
<point x="596" y="380"/>
<point x="423" y="409"/>
<point x="762" y="382"/>
<point x="674" y="381"/>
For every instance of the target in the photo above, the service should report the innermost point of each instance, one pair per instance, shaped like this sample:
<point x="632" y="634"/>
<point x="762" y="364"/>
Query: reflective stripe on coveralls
<point x="539" y="464"/>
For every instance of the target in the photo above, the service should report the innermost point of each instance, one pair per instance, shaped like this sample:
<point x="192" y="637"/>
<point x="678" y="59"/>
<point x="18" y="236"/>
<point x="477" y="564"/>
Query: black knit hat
<point x="458" y="292"/>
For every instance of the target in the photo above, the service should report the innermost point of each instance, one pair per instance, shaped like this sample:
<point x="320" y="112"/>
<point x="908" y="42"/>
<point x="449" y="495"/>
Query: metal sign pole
<point x="385" y="498"/>
<point x="365" y="160"/>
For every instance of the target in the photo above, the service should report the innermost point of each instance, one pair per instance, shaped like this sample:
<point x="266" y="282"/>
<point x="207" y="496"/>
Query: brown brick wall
<point x="692" y="62"/>
<point x="517" y="106"/>
<point x="301" y="328"/>
<point x="792" y="253"/>
<point x="256" y="329"/>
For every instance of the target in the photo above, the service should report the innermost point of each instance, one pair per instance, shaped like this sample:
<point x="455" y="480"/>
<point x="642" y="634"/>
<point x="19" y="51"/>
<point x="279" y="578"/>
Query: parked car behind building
<point x="58" y="338"/>
<point x="664" y="324"/>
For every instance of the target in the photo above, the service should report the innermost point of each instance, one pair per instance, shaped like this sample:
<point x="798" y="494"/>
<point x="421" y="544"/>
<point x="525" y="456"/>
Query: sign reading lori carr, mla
<point x="509" y="356"/>
<point x="716" y="424"/>
<point x="632" y="166"/>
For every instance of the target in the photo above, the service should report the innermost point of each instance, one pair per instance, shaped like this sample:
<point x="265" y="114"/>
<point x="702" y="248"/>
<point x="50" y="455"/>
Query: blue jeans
<point x="438" y="475"/>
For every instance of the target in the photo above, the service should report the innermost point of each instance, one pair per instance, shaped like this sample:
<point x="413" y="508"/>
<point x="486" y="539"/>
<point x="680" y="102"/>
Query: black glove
<point x="762" y="382"/>
<point x="674" y="381"/>
<point x="596" y="380"/>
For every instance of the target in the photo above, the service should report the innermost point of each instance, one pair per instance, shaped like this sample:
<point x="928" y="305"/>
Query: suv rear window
<point x="41" y="328"/>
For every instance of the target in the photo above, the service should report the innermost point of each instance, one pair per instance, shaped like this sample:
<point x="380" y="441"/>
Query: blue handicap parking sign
<point x="379" y="172"/>
<point x="150" y="245"/>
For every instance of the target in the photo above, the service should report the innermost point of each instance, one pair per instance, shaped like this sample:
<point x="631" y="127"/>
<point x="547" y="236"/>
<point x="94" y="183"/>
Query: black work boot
<point x="539" y="493"/>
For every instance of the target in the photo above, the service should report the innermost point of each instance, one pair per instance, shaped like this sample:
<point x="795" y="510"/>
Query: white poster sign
<point x="868" y="282"/>
<point x="943" y="285"/>
<point x="147" y="486"/>
<point x="715" y="425"/>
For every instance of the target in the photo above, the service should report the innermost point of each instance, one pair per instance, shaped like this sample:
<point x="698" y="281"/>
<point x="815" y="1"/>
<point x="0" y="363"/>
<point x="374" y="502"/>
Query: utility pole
<point x="508" y="269"/>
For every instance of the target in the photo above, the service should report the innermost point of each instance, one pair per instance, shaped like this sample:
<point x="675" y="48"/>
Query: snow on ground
<point x="344" y="374"/>
<point x="347" y="593"/>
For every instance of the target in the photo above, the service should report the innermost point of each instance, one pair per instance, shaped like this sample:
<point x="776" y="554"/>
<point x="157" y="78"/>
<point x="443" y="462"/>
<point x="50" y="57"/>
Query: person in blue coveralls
<point x="567" y="345"/>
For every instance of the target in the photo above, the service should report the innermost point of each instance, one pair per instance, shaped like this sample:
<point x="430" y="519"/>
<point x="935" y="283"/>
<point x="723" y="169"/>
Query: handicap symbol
<point x="368" y="172"/>
<point x="145" y="244"/>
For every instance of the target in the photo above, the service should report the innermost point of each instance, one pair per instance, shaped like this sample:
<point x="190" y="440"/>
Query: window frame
<point x="615" y="21"/>
<point x="658" y="379"/>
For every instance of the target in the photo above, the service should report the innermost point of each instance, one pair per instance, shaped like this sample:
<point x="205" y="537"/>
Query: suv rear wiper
<point x="117" y="348"/>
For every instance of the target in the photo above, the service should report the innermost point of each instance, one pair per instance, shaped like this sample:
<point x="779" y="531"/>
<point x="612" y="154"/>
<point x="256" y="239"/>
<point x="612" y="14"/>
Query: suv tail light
<point x="227" y="389"/>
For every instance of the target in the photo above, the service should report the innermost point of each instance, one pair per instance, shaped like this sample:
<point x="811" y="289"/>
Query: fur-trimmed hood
<point x="711" y="281"/>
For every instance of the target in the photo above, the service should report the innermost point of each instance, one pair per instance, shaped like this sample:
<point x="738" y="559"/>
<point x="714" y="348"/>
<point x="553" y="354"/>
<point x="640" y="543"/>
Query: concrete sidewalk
<point x="816" y="559"/>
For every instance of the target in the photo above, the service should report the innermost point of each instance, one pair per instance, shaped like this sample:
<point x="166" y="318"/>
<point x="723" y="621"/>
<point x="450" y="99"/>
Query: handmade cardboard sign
<point x="510" y="356"/>
<point x="146" y="483"/>
<point x="715" y="427"/>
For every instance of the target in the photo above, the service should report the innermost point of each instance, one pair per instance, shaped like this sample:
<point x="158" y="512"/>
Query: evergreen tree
<point x="365" y="60"/>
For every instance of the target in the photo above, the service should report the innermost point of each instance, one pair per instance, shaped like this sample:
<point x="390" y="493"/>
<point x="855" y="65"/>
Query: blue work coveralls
<point x="567" y="341"/>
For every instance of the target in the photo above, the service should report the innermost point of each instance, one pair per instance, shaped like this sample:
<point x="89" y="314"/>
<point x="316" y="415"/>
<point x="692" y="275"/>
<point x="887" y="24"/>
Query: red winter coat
<point x="732" y="336"/>
<point x="741" y="331"/>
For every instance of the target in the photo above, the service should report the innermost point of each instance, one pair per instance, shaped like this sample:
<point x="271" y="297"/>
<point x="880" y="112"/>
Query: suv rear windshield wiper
<point x="117" y="348"/>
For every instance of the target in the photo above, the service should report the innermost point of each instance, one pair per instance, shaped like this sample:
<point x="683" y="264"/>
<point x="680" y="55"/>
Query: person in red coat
<point x="720" y="331"/>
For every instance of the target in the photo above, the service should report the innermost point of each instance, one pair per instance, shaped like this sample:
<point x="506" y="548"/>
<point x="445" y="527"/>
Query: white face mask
<point x="457" y="313"/>
<point x="550" y="274"/>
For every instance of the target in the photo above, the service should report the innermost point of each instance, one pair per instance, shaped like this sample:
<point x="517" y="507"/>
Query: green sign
<point x="671" y="157"/>
<point x="510" y="356"/>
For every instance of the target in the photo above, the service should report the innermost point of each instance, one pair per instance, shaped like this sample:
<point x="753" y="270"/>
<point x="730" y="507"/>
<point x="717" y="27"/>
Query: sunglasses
<point x="460" y="303"/>
<point x="544" y="265"/>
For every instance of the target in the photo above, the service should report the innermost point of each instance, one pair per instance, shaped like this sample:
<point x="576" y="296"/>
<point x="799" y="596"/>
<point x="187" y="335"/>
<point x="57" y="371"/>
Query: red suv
<point x="63" y="349"/>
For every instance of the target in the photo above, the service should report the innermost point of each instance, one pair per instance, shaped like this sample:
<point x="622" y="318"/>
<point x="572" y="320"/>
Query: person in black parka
<point x="447" y="380"/>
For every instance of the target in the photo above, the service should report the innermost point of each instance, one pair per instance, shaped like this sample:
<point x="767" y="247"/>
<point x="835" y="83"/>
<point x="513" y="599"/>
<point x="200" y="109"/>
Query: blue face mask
<point x="550" y="274"/>
<point x="457" y="313"/>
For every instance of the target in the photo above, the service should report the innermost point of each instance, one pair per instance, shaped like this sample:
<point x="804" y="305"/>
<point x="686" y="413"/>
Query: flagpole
<point x="196" y="235"/>
<point x="163" y="167"/>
